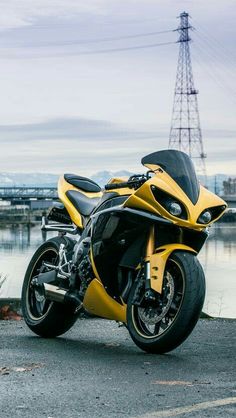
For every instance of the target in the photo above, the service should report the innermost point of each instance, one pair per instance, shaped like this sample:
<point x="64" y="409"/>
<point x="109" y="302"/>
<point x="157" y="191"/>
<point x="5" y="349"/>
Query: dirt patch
<point x="10" y="309"/>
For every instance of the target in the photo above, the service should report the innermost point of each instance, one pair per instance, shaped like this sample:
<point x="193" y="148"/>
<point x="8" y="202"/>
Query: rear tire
<point x="45" y="318"/>
<point x="159" y="329"/>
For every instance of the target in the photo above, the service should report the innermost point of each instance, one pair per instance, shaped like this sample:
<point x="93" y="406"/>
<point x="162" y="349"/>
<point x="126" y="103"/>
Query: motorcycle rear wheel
<point x="161" y="326"/>
<point x="45" y="318"/>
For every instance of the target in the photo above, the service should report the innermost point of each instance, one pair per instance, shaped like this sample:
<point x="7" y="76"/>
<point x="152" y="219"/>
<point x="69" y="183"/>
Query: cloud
<point x="83" y="128"/>
<point x="134" y="90"/>
<point x="90" y="145"/>
<point x="72" y="129"/>
<point x="15" y="13"/>
<point x="66" y="144"/>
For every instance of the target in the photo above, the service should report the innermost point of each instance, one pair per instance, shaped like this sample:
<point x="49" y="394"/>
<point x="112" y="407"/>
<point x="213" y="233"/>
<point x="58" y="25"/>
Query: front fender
<point x="158" y="263"/>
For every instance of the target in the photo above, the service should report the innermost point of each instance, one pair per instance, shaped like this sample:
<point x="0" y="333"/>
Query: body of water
<point x="218" y="257"/>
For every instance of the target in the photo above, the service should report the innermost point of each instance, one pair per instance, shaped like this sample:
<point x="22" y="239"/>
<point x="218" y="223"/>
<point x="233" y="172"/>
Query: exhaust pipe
<point x="54" y="293"/>
<point x="57" y="294"/>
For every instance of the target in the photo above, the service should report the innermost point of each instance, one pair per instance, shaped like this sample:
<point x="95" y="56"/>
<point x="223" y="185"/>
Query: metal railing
<point x="10" y="193"/>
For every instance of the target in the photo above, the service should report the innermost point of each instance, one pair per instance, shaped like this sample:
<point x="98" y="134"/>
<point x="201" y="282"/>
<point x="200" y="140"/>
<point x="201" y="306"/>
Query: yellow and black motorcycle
<point x="133" y="255"/>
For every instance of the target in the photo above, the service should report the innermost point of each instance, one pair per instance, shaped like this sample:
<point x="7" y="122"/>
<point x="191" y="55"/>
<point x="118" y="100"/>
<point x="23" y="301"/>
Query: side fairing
<point x="114" y="235"/>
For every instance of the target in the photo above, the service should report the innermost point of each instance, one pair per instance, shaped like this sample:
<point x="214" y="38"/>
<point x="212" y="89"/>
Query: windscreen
<point x="180" y="167"/>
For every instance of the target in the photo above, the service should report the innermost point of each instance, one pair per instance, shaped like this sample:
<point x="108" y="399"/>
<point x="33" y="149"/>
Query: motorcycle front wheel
<point x="45" y="318"/>
<point x="162" y="324"/>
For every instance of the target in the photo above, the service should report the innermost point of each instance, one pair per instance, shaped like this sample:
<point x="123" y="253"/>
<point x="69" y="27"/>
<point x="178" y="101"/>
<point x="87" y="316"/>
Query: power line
<point x="64" y="23"/>
<point x="224" y="47"/>
<point x="102" y="40"/>
<point x="215" y="55"/>
<point x="214" y="70"/>
<point x="208" y="68"/>
<point x="105" y="51"/>
<point x="93" y="41"/>
<point x="214" y="60"/>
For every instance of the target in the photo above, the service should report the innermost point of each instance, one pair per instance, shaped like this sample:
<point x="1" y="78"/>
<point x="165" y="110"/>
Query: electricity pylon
<point x="185" y="132"/>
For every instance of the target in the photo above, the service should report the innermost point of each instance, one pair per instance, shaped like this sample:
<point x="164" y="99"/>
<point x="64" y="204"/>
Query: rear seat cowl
<point x="82" y="183"/>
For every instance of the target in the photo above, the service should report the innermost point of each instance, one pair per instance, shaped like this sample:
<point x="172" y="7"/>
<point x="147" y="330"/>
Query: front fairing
<point x="174" y="177"/>
<point x="179" y="167"/>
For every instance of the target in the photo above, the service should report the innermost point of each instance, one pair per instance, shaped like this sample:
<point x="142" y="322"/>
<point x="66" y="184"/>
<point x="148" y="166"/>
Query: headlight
<point x="174" y="208"/>
<point x="169" y="203"/>
<point x="211" y="214"/>
<point x="205" y="217"/>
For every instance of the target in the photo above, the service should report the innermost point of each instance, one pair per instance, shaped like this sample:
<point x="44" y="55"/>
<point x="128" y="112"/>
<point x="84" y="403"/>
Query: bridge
<point x="28" y="193"/>
<point x="24" y="194"/>
<point x="33" y="197"/>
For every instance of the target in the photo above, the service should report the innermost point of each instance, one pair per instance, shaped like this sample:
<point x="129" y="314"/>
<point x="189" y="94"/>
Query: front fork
<point x="150" y="248"/>
<point x="155" y="263"/>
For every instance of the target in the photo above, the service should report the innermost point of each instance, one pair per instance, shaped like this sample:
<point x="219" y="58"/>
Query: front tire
<point x="161" y="326"/>
<point x="45" y="318"/>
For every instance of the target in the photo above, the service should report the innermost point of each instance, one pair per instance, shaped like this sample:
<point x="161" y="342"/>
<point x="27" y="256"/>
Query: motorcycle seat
<point x="85" y="205"/>
<point x="82" y="183"/>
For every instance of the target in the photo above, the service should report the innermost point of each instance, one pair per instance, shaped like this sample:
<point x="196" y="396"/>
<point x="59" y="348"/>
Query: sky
<point x="68" y="106"/>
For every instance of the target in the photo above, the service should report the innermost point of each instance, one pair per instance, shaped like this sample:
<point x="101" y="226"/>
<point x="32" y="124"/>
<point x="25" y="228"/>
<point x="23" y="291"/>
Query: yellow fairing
<point x="158" y="263"/>
<point x="63" y="187"/>
<point x="98" y="302"/>
<point x="144" y="199"/>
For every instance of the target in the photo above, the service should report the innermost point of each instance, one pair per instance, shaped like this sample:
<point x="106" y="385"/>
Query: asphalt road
<point x="95" y="370"/>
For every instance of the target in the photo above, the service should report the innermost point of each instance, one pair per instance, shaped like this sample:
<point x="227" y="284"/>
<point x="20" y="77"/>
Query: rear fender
<point x="158" y="263"/>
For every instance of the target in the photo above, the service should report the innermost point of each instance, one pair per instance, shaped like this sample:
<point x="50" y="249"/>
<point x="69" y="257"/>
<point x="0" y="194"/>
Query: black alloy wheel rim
<point x="38" y="306"/>
<point x="153" y="319"/>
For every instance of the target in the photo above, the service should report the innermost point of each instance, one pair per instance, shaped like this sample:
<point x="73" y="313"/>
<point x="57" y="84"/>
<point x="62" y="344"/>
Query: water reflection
<point x="20" y="238"/>
<point x="218" y="260"/>
<point x="18" y="243"/>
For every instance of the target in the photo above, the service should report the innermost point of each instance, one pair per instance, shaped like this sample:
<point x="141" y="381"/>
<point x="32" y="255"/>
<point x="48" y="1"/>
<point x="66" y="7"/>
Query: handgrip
<point x="112" y="186"/>
<point x="134" y="182"/>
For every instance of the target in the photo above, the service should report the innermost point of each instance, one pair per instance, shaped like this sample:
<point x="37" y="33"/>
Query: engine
<point x="81" y="261"/>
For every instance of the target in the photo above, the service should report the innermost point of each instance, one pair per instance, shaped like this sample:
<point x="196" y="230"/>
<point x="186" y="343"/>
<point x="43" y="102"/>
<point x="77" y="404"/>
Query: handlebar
<point x="112" y="186"/>
<point x="133" y="183"/>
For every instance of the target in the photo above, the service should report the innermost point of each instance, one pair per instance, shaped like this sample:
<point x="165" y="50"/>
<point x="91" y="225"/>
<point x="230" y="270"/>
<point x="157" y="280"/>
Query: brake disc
<point x="152" y="314"/>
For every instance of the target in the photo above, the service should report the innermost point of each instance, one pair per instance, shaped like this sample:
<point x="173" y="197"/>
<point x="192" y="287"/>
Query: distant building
<point x="229" y="186"/>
